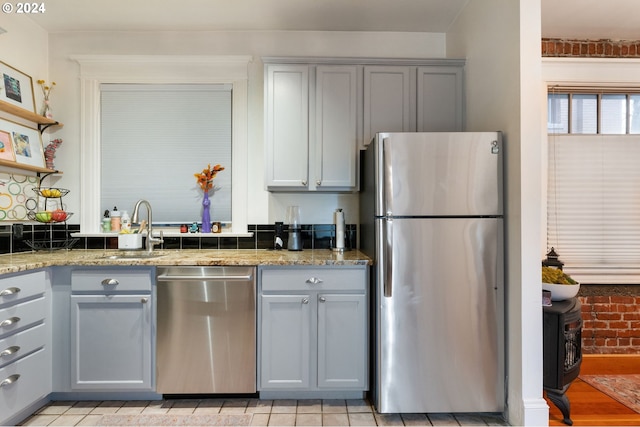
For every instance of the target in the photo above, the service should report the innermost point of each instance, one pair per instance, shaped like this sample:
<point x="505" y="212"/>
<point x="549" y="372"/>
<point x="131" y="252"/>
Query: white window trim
<point x="580" y="72"/>
<point x="160" y="69"/>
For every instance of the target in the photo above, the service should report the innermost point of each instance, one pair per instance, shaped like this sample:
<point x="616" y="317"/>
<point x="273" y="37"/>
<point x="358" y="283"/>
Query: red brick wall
<point x="591" y="48"/>
<point x="611" y="324"/>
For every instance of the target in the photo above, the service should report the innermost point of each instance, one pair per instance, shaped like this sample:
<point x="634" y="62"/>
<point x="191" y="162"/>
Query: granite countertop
<point x="12" y="263"/>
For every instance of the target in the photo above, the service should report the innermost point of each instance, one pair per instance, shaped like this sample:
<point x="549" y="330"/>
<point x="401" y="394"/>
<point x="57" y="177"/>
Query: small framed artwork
<point x="26" y="143"/>
<point x="16" y="88"/>
<point x="6" y="147"/>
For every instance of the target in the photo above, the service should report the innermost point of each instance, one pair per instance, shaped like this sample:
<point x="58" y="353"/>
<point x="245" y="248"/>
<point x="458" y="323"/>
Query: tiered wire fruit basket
<point x="50" y="211"/>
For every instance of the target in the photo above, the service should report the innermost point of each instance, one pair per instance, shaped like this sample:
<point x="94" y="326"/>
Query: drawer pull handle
<point x="110" y="282"/>
<point x="9" y="291"/>
<point x="322" y="299"/>
<point x="10" y="321"/>
<point x="10" y="380"/>
<point x="305" y="300"/>
<point x="144" y="300"/>
<point x="9" y="351"/>
<point x="314" y="280"/>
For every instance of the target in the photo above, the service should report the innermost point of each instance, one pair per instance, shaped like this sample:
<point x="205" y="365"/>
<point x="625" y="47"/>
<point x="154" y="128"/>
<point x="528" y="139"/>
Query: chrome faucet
<point x="151" y="241"/>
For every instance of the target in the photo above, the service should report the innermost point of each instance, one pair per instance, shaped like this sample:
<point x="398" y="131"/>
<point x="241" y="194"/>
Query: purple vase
<point x="206" y="216"/>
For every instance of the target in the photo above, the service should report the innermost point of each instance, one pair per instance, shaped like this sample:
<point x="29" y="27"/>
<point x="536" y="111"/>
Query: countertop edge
<point x="26" y="261"/>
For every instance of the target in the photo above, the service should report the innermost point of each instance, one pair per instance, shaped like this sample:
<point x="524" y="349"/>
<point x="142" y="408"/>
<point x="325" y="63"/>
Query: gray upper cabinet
<point x="440" y="99"/>
<point x="413" y="98"/>
<point x="336" y="132"/>
<point x="287" y="126"/>
<point x="389" y="100"/>
<point x="319" y="112"/>
<point x="311" y="127"/>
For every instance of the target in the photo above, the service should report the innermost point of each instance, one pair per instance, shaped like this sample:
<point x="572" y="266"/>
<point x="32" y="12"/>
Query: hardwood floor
<point x="590" y="407"/>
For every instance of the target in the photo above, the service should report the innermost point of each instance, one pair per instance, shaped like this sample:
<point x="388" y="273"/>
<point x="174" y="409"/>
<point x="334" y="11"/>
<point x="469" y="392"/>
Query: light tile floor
<point x="264" y="413"/>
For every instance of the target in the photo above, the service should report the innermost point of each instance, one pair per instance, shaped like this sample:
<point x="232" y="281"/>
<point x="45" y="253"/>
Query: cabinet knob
<point x="322" y="299"/>
<point x="110" y="282"/>
<point x="9" y="380"/>
<point x="304" y="182"/>
<point x="305" y="300"/>
<point x="144" y="300"/>
<point x="313" y="281"/>
<point x="9" y="291"/>
<point x="10" y="321"/>
<point x="318" y="183"/>
<point x="9" y="351"/>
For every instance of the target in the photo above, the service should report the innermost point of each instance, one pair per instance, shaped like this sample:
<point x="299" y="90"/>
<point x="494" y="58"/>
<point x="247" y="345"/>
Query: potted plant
<point x="560" y="284"/>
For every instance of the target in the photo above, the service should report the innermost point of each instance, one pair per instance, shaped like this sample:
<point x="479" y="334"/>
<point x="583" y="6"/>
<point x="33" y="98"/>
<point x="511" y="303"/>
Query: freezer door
<point x="440" y="174"/>
<point x="440" y="316"/>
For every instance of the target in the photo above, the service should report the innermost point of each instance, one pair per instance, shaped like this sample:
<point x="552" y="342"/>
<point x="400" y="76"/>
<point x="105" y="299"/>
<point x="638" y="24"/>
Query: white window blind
<point x="154" y="138"/>
<point x="594" y="206"/>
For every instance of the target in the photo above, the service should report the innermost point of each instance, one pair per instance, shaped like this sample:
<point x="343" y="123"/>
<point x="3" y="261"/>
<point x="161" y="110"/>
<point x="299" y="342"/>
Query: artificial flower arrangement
<point x="205" y="181"/>
<point x="46" y="91"/>
<point x="205" y="178"/>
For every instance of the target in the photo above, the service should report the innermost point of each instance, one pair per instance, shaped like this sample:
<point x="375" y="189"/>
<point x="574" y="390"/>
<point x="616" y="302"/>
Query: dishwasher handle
<point x="170" y="277"/>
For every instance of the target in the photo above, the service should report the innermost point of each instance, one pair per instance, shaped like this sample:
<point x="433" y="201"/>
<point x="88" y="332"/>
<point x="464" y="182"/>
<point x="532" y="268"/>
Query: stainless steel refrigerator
<point x="432" y="219"/>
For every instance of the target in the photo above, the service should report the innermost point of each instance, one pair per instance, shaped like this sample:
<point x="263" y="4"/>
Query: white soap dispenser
<point x="125" y="221"/>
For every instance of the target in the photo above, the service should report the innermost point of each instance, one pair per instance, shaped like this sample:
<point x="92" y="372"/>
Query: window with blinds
<point x="593" y="206"/>
<point x="154" y="138"/>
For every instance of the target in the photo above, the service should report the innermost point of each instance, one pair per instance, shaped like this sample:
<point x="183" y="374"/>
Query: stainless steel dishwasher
<point x="206" y="330"/>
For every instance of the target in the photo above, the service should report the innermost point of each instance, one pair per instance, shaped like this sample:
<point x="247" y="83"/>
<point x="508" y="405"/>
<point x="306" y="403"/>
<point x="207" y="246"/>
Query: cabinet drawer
<point x="100" y="280"/>
<point x="22" y="383"/>
<point x="17" y="345"/>
<point x="20" y="316"/>
<point x="18" y="288"/>
<point x="314" y="278"/>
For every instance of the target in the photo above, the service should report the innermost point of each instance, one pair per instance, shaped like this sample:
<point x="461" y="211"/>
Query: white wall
<point x="264" y="207"/>
<point x="24" y="47"/>
<point x="501" y="41"/>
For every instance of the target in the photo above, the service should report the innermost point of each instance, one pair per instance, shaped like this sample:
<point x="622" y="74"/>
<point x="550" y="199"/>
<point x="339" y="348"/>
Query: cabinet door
<point x="388" y="102"/>
<point x="285" y="348"/>
<point x="111" y="342"/>
<point x="342" y="341"/>
<point x="336" y="136"/>
<point x="440" y="99"/>
<point x="287" y="125"/>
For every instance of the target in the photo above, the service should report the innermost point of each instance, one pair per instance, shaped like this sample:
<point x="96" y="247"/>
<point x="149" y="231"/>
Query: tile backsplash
<point x="26" y="237"/>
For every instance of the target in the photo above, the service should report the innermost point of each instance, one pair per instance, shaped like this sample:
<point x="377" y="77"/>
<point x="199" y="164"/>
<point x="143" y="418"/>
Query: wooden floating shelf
<point x="27" y="115"/>
<point x="9" y="163"/>
<point x="42" y="122"/>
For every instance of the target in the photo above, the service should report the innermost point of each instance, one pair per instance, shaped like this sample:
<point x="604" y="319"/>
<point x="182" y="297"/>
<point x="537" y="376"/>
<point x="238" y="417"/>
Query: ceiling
<point x="581" y="19"/>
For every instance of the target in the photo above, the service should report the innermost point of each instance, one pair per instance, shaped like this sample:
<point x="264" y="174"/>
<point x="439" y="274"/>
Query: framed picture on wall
<point x="16" y="88"/>
<point x="26" y="143"/>
<point x="6" y="147"/>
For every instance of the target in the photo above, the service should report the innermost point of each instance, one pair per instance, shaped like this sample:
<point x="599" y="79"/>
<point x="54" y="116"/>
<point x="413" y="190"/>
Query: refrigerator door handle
<point x="388" y="257"/>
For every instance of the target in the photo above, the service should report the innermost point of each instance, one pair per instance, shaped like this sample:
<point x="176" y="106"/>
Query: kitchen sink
<point x="134" y="255"/>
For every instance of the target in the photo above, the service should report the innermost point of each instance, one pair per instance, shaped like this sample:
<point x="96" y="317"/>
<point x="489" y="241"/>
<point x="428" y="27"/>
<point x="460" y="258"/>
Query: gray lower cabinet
<point x="313" y="329"/>
<point x="112" y="329"/>
<point x="25" y="344"/>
